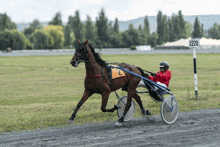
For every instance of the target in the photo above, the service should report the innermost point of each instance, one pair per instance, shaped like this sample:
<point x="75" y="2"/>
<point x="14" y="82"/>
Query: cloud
<point x="11" y="5"/>
<point x="20" y="2"/>
<point x="26" y="12"/>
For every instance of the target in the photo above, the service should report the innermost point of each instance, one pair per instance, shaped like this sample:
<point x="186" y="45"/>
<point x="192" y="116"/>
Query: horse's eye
<point x="81" y="50"/>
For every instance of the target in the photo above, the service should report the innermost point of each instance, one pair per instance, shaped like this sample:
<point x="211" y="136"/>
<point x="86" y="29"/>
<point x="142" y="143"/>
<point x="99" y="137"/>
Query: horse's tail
<point x="143" y="74"/>
<point x="149" y="86"/>
<point x="141" y="71"/>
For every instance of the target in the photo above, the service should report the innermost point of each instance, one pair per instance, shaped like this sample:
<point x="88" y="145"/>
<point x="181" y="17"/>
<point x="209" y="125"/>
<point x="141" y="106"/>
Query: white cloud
<point x="26" y="12"/>
<point x="20" y="2"/>
<point x="11" y="5"/>
<point x="92" y="1"/>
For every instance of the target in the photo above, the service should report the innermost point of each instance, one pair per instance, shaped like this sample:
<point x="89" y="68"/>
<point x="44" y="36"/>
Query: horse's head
<point x="80" y="53"/>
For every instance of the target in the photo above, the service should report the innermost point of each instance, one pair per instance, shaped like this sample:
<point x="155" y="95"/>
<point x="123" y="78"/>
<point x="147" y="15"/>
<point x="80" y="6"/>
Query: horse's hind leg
<point x="138" y="100"/>
<point x="85" y="96"/>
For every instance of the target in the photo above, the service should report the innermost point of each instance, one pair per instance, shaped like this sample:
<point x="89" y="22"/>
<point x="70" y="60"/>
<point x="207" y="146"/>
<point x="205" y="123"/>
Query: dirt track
<point x="197" y="128"/>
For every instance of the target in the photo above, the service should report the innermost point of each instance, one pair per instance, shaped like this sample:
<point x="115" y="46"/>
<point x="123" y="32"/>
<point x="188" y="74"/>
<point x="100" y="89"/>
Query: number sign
<point x="194" y="42"/>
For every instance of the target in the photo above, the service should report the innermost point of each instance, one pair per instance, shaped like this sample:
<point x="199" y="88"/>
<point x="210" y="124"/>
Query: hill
<point x="207" y="20"/>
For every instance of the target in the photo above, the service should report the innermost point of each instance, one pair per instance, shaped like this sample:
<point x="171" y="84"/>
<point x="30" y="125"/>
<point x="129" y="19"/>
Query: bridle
<point x="83" y="51"/>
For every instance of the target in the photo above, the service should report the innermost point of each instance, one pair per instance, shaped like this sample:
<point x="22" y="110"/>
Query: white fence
<point x="66" y="50"/>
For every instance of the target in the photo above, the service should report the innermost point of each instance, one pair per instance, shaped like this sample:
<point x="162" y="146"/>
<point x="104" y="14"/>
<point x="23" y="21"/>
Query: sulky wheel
<point x="122" y="103"/>
<point x="169" y="110"/>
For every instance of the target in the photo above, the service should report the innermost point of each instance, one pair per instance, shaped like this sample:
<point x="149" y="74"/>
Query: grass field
<point x="42" y="91"/>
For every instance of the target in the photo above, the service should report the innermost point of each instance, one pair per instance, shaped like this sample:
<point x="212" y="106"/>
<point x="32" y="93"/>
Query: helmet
<point x="164" y="64"/>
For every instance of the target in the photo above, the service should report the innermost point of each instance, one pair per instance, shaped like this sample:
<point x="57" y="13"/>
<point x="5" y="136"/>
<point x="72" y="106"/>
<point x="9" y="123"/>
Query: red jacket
<point x="162" y="77"/>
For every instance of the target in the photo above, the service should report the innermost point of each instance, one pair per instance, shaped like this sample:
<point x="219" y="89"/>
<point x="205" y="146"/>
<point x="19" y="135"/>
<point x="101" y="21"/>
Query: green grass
<point x="42" y="91"/>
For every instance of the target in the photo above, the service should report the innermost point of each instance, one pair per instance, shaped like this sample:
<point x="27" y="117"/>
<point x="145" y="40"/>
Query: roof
<point x="185" y="42"/>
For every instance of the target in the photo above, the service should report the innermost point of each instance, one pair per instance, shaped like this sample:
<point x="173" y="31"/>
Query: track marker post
<point x="195" y="43"/>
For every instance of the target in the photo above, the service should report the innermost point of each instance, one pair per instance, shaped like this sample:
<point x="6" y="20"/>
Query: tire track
<point x="196" y="128"/>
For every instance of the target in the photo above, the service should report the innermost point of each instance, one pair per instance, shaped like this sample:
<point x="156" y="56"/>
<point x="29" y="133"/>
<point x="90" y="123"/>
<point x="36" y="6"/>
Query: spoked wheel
<point x="122" y="103"/>
<point x="169" y="110"/>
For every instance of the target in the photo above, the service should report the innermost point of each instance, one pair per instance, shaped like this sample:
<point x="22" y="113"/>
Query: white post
<point x="195" y="73"/>
<point x="195" y="43"/>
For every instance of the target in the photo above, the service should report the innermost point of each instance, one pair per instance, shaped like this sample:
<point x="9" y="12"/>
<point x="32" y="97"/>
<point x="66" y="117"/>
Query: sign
<point x="194" y="42"/>
<point x="117" y="73"/>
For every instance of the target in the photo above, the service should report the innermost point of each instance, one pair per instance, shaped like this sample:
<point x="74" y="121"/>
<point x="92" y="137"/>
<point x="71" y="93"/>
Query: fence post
<point x="195" y="43"/>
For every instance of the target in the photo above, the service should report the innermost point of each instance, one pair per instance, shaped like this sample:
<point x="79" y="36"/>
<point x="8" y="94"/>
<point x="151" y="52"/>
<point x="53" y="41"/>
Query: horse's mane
<point x="98" y="59"/>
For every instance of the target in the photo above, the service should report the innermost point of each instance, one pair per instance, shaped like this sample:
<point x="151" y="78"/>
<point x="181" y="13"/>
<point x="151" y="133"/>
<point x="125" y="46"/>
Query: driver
<point x="162" y="77"/>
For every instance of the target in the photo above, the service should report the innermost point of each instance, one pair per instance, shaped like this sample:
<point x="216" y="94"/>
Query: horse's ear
<point x="78" y="41"/>
<point x="86" y="42"/>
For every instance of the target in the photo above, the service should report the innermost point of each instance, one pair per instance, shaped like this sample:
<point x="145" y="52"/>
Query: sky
<point x="25" y="11"/>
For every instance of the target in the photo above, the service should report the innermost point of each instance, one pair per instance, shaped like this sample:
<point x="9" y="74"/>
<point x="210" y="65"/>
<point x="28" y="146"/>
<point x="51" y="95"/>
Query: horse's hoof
<point x="118" y="123"/>
<point x="117" y="107"/>
<point x="70" y="122"/>
<point x="148" y="112"/>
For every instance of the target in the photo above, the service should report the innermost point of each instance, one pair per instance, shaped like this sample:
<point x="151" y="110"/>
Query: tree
<point x="202" y="30"/>
<point x="57" y="20"/>
<point x="6" y="23"/>
<point x="116" y="40"/>
<point x="90" y="31"/>
<point x="159" y="28"/>
<point x="67" y="35"/>
<point x="131" y="36"/>
<point x="146" y="26"/>
<point x="143" y="36"/>
<point x="165" y="29"/>
<point x="56" y="36"/>
<point x="6" y="39"/>
<point x="171" y="32"/>
<point x="197" y="29"/>
<point x="19" y="40"/>
<point x="116" y="26"/>
<point x="214" y="31"/>
<point x="145" y="32"/>
<point x="40" y="39"/>
<point x="181" y="25"/>
<point x="102" y="29"/>
<point x="33" y="26"/>
<point x="177" y="27"/>
<point x="162" y="28"/>
<point x="152" y="39"/>
<point x="13" y="39"/>
<point x="189" y="28"/>
<point x="77" y="27"/>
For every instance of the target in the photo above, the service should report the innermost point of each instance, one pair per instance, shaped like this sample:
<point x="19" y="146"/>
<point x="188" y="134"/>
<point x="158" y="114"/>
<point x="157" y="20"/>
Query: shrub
<point x="13" y="39"/>
<point x="40" y="39"/>
<point x="133" y="47"/>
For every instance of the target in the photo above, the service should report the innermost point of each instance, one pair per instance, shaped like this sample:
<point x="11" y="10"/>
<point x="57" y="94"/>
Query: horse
<point x="98" y="81"/>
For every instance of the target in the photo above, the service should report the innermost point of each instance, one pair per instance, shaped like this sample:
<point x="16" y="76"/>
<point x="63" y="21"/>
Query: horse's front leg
<point x="85" y="96"/>
<point x="128" y="105"/>
<point x="105" y="96"/>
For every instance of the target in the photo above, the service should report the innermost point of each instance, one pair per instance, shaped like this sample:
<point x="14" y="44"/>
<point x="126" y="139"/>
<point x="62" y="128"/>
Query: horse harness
<point x="84" y="52"/>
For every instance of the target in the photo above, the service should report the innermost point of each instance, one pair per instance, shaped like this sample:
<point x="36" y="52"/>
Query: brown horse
<point x="97" y="80"/>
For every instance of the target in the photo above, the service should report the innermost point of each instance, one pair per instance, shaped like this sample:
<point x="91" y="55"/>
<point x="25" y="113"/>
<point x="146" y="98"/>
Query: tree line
<point x="102" y="33"/>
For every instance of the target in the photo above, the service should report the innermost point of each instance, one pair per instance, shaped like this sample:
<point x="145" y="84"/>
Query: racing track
<point x="196" y="128"/>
